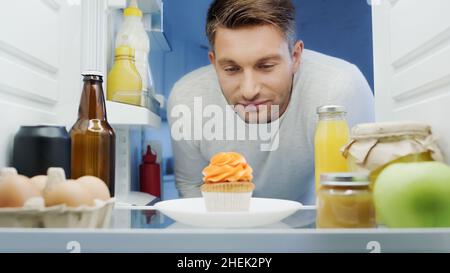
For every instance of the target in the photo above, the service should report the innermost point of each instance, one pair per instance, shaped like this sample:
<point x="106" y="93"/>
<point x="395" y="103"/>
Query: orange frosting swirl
<point x="227" y="167"/>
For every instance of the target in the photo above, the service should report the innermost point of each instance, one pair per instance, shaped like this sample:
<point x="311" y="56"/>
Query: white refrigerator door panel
<point x="39" y="66"/>
<point x="412" y="63"/>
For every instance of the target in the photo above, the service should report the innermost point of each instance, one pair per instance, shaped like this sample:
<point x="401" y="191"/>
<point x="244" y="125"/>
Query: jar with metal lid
<point x="374" y="146"/>
<point x="345" y="201"/>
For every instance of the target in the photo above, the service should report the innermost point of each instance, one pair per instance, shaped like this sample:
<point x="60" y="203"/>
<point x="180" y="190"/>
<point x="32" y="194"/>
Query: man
<point x="258" y="65"/>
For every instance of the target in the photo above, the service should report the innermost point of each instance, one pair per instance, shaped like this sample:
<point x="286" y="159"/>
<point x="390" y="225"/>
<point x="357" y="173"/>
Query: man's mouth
<point x="253" y="106"/>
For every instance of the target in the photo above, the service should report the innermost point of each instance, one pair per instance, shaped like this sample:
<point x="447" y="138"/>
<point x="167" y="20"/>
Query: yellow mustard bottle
<point x="124" y="82"/>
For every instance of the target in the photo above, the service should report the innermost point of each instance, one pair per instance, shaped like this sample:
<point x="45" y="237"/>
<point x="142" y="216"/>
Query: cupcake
<point x="227" y="183"/>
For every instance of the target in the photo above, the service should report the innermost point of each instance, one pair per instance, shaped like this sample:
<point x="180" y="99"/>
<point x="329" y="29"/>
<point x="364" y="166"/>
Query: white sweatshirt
<point x="288" y="171"/>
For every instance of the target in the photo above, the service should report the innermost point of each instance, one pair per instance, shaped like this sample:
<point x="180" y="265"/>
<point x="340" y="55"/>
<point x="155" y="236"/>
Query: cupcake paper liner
<point x="227" y="201"/>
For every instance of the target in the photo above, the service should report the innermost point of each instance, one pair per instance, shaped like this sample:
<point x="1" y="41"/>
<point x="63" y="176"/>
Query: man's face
<point x="255" y="69"/>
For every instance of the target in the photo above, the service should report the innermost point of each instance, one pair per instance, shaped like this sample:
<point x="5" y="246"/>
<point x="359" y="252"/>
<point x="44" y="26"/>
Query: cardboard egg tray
<point x="35" y="215"/>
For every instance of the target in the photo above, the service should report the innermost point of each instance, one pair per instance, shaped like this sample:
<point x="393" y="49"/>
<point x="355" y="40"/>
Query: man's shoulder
<point x="328" y="71"/>
<point x="195" y="83"/>
<point x="197" y="76"/>
<point x="317" y="59"/>
<point x="320" y="63"/>
<point x="324" y="79"/>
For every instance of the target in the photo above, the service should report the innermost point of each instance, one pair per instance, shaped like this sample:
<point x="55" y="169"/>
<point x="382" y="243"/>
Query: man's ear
<point x="212" y="57"/>
<point x="297" y="55"/>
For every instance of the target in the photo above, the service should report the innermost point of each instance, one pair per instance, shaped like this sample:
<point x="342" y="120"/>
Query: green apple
<point x="414" y="195"/>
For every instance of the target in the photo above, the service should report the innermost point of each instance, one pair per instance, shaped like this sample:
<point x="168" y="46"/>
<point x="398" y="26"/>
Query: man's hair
<point x="233" y="14"/>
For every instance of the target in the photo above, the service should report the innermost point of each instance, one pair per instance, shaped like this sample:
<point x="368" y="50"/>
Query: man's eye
<point x="266" y="66"/>
<point x="231" y="69"/>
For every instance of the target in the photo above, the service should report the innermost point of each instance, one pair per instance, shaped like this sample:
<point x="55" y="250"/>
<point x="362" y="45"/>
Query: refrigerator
<point x="46" y="44"/>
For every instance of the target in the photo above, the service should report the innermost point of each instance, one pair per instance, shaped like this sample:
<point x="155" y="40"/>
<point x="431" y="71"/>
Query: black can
<point x="37" y="148"/>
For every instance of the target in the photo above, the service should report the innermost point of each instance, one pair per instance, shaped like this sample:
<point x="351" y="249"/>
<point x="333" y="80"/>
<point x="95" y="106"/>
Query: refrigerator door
<point x="411" y="63"/>
<point x="39" y="66"/>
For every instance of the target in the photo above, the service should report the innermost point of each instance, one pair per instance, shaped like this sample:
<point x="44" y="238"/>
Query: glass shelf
<point x="150" y="231"/>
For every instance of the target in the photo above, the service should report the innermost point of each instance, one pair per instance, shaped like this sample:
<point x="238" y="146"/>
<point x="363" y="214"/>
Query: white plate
<point x="277" y="225"/>
<point x="263" y="211"/>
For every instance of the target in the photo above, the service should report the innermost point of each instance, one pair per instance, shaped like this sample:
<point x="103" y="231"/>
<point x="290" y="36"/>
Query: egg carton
<point x="34" y="214"/>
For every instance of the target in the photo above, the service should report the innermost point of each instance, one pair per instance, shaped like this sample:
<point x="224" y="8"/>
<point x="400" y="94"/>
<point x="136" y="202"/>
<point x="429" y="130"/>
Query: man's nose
<point x="250" y="87"/>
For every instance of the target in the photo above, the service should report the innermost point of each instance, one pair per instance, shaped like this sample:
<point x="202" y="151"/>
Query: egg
<point x="15" y="190"/>
<point x="60" y="191"/>
<point x="95" y="186"/>
<point x="70" y="193"/>
<point x="40" y="181"/>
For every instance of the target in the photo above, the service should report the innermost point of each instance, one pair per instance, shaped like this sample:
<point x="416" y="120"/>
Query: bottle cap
<point x="133" y="10"/>
<point x="92" y="73"/>
<point x="149" y="157"/>
<point x="331" y="109"/>
<point x="124" y="51"/>
<point x="344" y="179"/>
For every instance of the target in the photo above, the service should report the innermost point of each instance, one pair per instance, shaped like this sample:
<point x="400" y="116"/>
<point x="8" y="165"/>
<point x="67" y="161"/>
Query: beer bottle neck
<point x="92" y="103"/>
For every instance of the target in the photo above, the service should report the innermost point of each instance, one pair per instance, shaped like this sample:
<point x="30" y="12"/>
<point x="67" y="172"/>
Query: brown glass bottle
<point x="93" y="139"/>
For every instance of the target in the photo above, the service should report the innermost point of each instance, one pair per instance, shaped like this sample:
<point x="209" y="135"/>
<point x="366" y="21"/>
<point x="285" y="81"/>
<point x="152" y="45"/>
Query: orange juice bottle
<point x="332" y="133"/>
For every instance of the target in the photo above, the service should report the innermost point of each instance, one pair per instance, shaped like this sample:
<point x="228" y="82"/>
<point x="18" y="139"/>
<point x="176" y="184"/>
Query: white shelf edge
<point x="125" y="114"/>
<point x="160" y="38"/>
<point x="154" y="26"/>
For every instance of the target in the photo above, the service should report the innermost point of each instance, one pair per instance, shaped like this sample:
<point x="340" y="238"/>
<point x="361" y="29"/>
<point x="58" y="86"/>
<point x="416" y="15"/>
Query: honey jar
<point x="345" y="200"/>
<point x="374" y="146"/>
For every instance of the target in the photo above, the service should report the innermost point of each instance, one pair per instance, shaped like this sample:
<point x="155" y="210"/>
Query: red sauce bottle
<point x="150" y="174"/>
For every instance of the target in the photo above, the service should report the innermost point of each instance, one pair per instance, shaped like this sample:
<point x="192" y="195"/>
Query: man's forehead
<point x="266" y="58"/>
<point x="254" y="43"/>
<point x="223" y="33"/>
